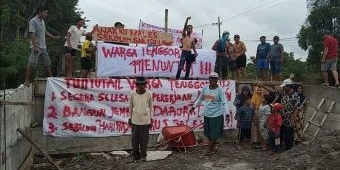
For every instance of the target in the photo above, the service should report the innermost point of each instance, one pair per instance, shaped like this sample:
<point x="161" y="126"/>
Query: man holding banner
<point x="215" y="104"/>
<point x="186" y="56"/>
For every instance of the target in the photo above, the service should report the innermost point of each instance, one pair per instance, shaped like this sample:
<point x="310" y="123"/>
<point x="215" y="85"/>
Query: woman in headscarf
<point x="222" y="56"/>
<point x="239" y="100"/>
<point x="256" y="101"/>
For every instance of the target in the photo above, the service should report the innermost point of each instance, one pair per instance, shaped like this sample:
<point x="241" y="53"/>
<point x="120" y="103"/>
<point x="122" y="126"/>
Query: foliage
<point x="15" y="16"/>
<point x="323" y="15"/>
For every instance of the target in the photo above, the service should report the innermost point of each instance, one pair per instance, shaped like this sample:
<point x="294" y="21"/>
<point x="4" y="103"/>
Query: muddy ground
<point x="320" y="154"/>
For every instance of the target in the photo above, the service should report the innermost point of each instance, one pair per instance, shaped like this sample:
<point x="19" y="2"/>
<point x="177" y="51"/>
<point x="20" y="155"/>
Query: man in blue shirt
<point x="262" y="58"/>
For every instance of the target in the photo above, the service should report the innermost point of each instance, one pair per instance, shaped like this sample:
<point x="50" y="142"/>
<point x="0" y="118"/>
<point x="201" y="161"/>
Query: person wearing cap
<point x="71" y="44"/>
<point x="215" y="105"/>
<point x="329" y="58"/>
<point x="241" y="58"/>
<point x="188" y="44"/>
<point x="222" y="55"/>
<point x="140" y="112"/>
<point x="262" y="58"/>
<point x="291" y="103"/>
<point x="276" y="59"/>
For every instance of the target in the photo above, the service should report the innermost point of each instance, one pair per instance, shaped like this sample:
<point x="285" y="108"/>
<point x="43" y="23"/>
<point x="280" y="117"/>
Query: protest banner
<point x="99" y="107"/>
<point x="149" y="61"/>
<point x="177" y="34"/>
<point x="120" y="35"/>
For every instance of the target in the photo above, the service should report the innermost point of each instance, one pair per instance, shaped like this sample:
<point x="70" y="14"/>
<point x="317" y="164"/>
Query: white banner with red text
<point x="176" y="34"/>
<point x="149" y="61"/>
<point x="99" y="107"/>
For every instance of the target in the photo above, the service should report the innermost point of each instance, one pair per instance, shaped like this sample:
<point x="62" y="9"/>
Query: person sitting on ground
<point x="244" y="116"/>
<point x="274" y="123"/>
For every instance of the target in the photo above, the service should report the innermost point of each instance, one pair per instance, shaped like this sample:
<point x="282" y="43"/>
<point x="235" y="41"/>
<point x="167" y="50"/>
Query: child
<point x="244" y="117"/>
<point x="274" y="123"/>
<point x="264" y="112"/>
<point x="87" y="55"/>
<point x="140" y="111"/>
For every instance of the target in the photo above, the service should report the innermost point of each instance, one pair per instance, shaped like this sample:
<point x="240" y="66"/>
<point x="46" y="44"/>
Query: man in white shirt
<point x="72" y="40"/>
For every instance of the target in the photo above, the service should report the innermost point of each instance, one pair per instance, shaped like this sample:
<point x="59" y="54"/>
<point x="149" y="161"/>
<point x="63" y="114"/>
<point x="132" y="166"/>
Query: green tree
<point x="15" y="16"/>
<point x="323" y="15"/>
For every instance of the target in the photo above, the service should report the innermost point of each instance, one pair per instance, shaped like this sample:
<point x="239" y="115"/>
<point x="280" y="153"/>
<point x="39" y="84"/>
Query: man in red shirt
<point x="329" y="58"/>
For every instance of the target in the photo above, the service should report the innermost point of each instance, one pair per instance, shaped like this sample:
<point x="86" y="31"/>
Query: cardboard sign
<point x="177" y="34"/>
<point x="112" y="34"/>
<point x="99" y="107"/>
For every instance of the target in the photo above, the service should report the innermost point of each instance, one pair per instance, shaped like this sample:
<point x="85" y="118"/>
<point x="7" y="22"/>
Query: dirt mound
<point x="321" y="153"/>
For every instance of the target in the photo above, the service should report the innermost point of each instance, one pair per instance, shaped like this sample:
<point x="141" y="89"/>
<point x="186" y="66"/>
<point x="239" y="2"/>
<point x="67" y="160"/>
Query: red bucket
<point x="179" y="136"/>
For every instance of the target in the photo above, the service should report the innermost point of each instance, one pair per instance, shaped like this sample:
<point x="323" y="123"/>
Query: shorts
<point x="329" y="64"/>
<point x="213" y="127"/>
<point x="233" y="65"/>
<point x="262" y="64"/>
<point x="241" y="61"/>
<point x="245" y="133"/>
<point x="72" y="52"/>
<point x="275" y="67"/>
<point x="42" y="54"/>
<point x="86" y="63"/>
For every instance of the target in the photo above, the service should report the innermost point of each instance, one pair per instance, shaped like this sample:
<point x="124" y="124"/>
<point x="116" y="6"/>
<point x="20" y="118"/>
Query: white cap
<point x="286" y="82"/>
<point x="214" y="75"/>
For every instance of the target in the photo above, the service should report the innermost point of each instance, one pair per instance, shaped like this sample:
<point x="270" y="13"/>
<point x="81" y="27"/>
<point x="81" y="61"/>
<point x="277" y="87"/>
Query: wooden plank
<point x="17" y="103"/>
<point x="316" y="124"/>
<point x="37" y="147"/>
<point x="314" y="114"/>
<point x="120" y="35"/>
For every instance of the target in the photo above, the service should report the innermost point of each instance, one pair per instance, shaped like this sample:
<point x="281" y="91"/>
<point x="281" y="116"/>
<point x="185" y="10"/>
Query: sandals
<point x="324" y="84"/>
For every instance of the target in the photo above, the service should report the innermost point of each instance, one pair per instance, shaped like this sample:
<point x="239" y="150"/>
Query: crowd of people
<point x="269" y="116"/>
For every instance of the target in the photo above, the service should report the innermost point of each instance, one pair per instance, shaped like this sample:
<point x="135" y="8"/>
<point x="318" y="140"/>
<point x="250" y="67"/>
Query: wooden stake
<point x="36" y="146"/>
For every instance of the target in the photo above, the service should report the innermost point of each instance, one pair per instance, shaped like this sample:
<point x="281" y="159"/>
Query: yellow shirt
<point x="87" y="44"/>
<point x="187" y="43"/>
<point x="239" y="47"/>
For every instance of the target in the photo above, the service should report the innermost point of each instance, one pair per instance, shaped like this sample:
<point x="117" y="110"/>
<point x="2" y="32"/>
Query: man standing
<point x="241" y="58"/>
<point x="276" y="59"/>
<point x="141" y="113"/>
<point x="222" y="56"/>
<point x="72" y="40"/>
<point x="215" y="105"/>
<point x="329" y="58"/>
<point x="262" y="57"/>
<point x="188" y="44"/>
<point x="37" y="33"/>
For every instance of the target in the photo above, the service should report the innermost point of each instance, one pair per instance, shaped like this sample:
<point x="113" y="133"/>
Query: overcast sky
<point x="248" y="18"/>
